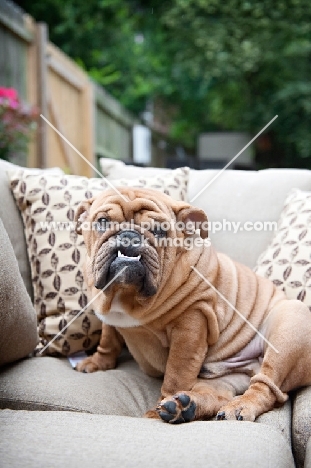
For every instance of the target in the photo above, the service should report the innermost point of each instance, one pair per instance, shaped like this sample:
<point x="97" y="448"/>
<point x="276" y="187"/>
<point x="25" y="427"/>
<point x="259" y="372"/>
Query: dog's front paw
<point x="177" y="409"/>
<point x="237" y="410"/>
<point x="87" y="365"/>
<point x="95" y="363"/>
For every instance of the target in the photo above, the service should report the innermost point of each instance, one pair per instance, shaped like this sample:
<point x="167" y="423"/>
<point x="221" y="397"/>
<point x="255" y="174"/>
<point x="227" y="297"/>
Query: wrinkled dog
<point x="185" y="323"/>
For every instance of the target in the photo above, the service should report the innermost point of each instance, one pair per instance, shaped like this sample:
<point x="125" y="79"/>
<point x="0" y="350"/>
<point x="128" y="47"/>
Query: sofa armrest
<point x="13" y="223"/>
<point x="301" y="424"/>
<point x="18" y="334"/>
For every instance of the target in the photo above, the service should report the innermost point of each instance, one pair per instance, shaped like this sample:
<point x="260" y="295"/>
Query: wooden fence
<point x="84" y="113"/>
<point x="113" y="132"/>
<point x="68" y="106"/>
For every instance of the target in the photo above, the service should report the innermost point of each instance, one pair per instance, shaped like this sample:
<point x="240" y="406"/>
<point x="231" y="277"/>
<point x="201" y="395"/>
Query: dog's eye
<point x="102" y="224"/>
<point x="158" y="232"/>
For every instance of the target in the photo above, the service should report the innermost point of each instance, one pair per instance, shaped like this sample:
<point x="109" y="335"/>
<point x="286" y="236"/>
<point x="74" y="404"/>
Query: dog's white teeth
<point x="129" y="258"/>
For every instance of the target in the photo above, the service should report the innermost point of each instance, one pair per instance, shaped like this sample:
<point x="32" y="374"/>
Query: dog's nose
<point x="128" y="242"/>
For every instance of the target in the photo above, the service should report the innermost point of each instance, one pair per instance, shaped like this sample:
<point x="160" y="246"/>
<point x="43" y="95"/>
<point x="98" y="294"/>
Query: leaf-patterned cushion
<point x="287" y="260"/>
<point x="56" y="252"/>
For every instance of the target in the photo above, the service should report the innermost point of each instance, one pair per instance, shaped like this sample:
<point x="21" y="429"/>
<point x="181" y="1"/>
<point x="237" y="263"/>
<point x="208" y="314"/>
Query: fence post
<point x="42" y="38"/>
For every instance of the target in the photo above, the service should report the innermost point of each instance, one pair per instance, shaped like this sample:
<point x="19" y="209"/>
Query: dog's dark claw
<point x="221" y="416"/>
<point x="240" y="418"/>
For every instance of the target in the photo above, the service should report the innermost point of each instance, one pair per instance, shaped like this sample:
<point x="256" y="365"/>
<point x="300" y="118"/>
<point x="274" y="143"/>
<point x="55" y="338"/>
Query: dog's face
<point x="125" y="240"/>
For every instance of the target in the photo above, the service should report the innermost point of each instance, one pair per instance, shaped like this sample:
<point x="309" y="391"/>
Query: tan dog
<point x="201" y="334"/>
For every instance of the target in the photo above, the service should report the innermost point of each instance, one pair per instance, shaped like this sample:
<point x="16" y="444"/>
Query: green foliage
<point x="223" y="65"/>
<point x="117" y="41"/>
<point x="256" y="57"/>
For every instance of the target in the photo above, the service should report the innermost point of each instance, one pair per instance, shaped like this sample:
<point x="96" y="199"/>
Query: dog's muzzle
<point x="128" y="245"/>
<point x="124" y="251"/>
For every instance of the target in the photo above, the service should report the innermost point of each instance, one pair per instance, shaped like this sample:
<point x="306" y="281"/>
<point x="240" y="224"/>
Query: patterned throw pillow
<point x="175" y="183"/>
<point x="48" y="203"/>
<point x="287" y="260"/>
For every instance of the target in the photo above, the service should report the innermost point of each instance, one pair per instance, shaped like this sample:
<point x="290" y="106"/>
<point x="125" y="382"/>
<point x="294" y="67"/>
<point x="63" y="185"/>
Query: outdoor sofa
<point x="54" y="416"/>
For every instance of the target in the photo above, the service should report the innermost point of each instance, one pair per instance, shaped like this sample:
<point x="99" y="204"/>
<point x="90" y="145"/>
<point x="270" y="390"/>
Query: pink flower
<point x="13" y="104"/>
<point x="9" y="93"/>
<point x="17" y="122"/>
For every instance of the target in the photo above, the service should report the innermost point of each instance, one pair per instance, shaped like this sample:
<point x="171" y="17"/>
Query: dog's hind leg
<point x="286" y="364"/>
<point x="203" y="401"/>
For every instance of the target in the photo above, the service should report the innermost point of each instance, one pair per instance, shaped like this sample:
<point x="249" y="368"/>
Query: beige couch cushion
<point x="301" y="430"/>
<point x="35" y="439"/>
<point x="113" y="169"/>
<point x="279" y="418"/>
<point x="51" y="384"/>
<point x="174" y="183"/>
<point x="117" y="169"/>
<point x="239" y="196"/>
<point x="245" y="196"/>
<point x="18" y="332"/>
<point x="48" y="383"/>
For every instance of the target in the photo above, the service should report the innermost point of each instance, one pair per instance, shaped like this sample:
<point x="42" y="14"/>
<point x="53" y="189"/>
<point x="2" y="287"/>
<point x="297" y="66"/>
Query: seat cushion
<point x="35" y="439"/>
<point x="280" y="419"/>
<point x="301" y="430"/>
<point x="18" y="332"/>
<point x="51" y="384"/>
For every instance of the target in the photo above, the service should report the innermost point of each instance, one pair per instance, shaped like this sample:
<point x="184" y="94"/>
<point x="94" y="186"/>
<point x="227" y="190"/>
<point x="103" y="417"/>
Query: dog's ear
<point x="192" y="218"/>
<point x="82" y="214"/>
